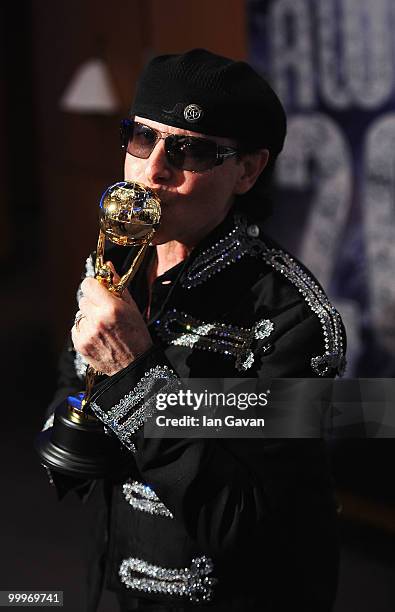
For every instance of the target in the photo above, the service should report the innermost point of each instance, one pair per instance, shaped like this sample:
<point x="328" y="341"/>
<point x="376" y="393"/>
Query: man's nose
<point x="158" y="169"/>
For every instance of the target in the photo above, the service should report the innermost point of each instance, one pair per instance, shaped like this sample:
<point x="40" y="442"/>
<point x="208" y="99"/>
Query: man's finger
<point x="86" y="306"/>
<point x="100" y="296"/>
<point x="95" y="292"/>
<point x="78" y="318"/>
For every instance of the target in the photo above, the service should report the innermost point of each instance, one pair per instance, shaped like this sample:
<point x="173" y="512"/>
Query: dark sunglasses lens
<point x="190" y="153"/>
<point x="126" y="131"/>
<point x="141" y="140"/>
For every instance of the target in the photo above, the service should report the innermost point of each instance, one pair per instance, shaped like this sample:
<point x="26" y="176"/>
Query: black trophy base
<point x="77" y="446"/>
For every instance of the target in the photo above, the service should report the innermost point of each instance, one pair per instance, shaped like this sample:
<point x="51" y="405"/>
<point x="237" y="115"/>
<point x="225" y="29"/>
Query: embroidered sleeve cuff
<point x="126" y="400"/>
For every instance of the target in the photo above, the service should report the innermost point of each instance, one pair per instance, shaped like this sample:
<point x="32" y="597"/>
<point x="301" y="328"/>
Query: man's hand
<point x="111" y="332"/>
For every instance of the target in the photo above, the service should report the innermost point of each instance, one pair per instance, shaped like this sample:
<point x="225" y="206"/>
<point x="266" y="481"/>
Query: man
<point x="220" y="524"/>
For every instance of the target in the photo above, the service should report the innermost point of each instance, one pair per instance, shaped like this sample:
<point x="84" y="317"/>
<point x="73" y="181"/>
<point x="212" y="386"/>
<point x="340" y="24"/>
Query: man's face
<point x="192" y="203"/>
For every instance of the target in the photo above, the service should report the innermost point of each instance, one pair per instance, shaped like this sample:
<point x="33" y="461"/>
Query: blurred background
<point x="68" y="76"/>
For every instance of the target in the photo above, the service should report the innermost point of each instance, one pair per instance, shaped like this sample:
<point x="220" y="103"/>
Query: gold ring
<point x="78" y="317"/>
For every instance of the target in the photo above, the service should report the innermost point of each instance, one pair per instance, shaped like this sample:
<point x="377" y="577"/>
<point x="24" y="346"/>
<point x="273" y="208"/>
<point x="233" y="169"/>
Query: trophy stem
<point x="100" y="251"/>
<point x="90" y="377"/>
<point x="129" y="275"/>
<point x="104" y="275"/>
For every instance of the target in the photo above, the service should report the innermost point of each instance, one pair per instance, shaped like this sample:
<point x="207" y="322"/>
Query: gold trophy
<point x="76" y="444"/>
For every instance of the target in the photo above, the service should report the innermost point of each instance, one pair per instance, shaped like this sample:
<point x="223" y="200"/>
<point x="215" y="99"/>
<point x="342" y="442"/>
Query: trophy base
<point x="77" y="445"/>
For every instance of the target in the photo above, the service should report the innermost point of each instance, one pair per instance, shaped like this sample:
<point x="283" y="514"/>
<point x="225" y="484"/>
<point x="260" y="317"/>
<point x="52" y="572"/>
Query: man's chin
<point x="160" y="238"/>
<point x="165" y="232"/>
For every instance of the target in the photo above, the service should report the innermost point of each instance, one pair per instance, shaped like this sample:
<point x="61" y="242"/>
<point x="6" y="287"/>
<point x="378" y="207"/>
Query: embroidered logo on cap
<point x="193" y="112"/>
<point x="176" y="110"/>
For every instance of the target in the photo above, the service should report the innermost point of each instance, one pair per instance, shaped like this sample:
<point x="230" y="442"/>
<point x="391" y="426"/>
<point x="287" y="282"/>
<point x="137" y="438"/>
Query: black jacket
<point x="248" y="520"/>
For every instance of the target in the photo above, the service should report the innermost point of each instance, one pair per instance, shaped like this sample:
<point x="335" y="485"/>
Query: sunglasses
<point x="190" y="153"/>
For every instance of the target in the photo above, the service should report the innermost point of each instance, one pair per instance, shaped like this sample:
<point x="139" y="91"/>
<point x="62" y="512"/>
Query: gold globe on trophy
<point x="77" y="445"/>
<point x="129" y="215"/>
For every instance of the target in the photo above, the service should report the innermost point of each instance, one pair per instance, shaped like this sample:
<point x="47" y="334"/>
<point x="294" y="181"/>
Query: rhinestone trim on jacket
<point x="221" y="338"/>
<point x="131" y="412"/>
<point x="80" y="364"/>
<point x="316" y="299"/>
<point x="141" y="497"/>
<point x="240" y="242"/>
<point x="49" y="422"/>
<point x="192" y="583"/>
<point x="217" y="257"/>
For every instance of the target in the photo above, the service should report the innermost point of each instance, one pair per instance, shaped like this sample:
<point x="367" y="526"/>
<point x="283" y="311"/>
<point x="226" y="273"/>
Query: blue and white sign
<point x="332" y="62"/>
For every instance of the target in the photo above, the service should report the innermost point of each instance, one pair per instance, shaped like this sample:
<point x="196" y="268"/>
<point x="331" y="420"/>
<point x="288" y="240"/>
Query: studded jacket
<point x="192" y="520"/>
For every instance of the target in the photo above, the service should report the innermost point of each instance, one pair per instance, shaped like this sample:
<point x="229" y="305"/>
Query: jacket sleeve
<point x="71" y="380"/>
<point x="71" y="365"/>
<point x="215" y="487"/>
<point x="71" y="373"/>
<point x="69" y="383"/>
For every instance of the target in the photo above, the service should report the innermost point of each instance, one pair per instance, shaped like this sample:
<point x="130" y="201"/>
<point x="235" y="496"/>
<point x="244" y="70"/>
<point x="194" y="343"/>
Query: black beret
<point x="204" y="92"/>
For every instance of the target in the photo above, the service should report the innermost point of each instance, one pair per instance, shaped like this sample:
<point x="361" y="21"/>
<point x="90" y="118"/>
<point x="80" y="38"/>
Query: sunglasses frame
<point x="222" y="152"/>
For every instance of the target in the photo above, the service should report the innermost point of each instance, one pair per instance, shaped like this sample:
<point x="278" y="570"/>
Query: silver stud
<point x="193" y="113"/>
<point x="253" y="231"/>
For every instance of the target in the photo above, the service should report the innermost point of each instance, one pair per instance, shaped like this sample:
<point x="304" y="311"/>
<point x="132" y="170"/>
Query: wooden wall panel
<point x="217" y="25"/>
<point x="79" y="153"/>
<point x="4" y="205"/>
